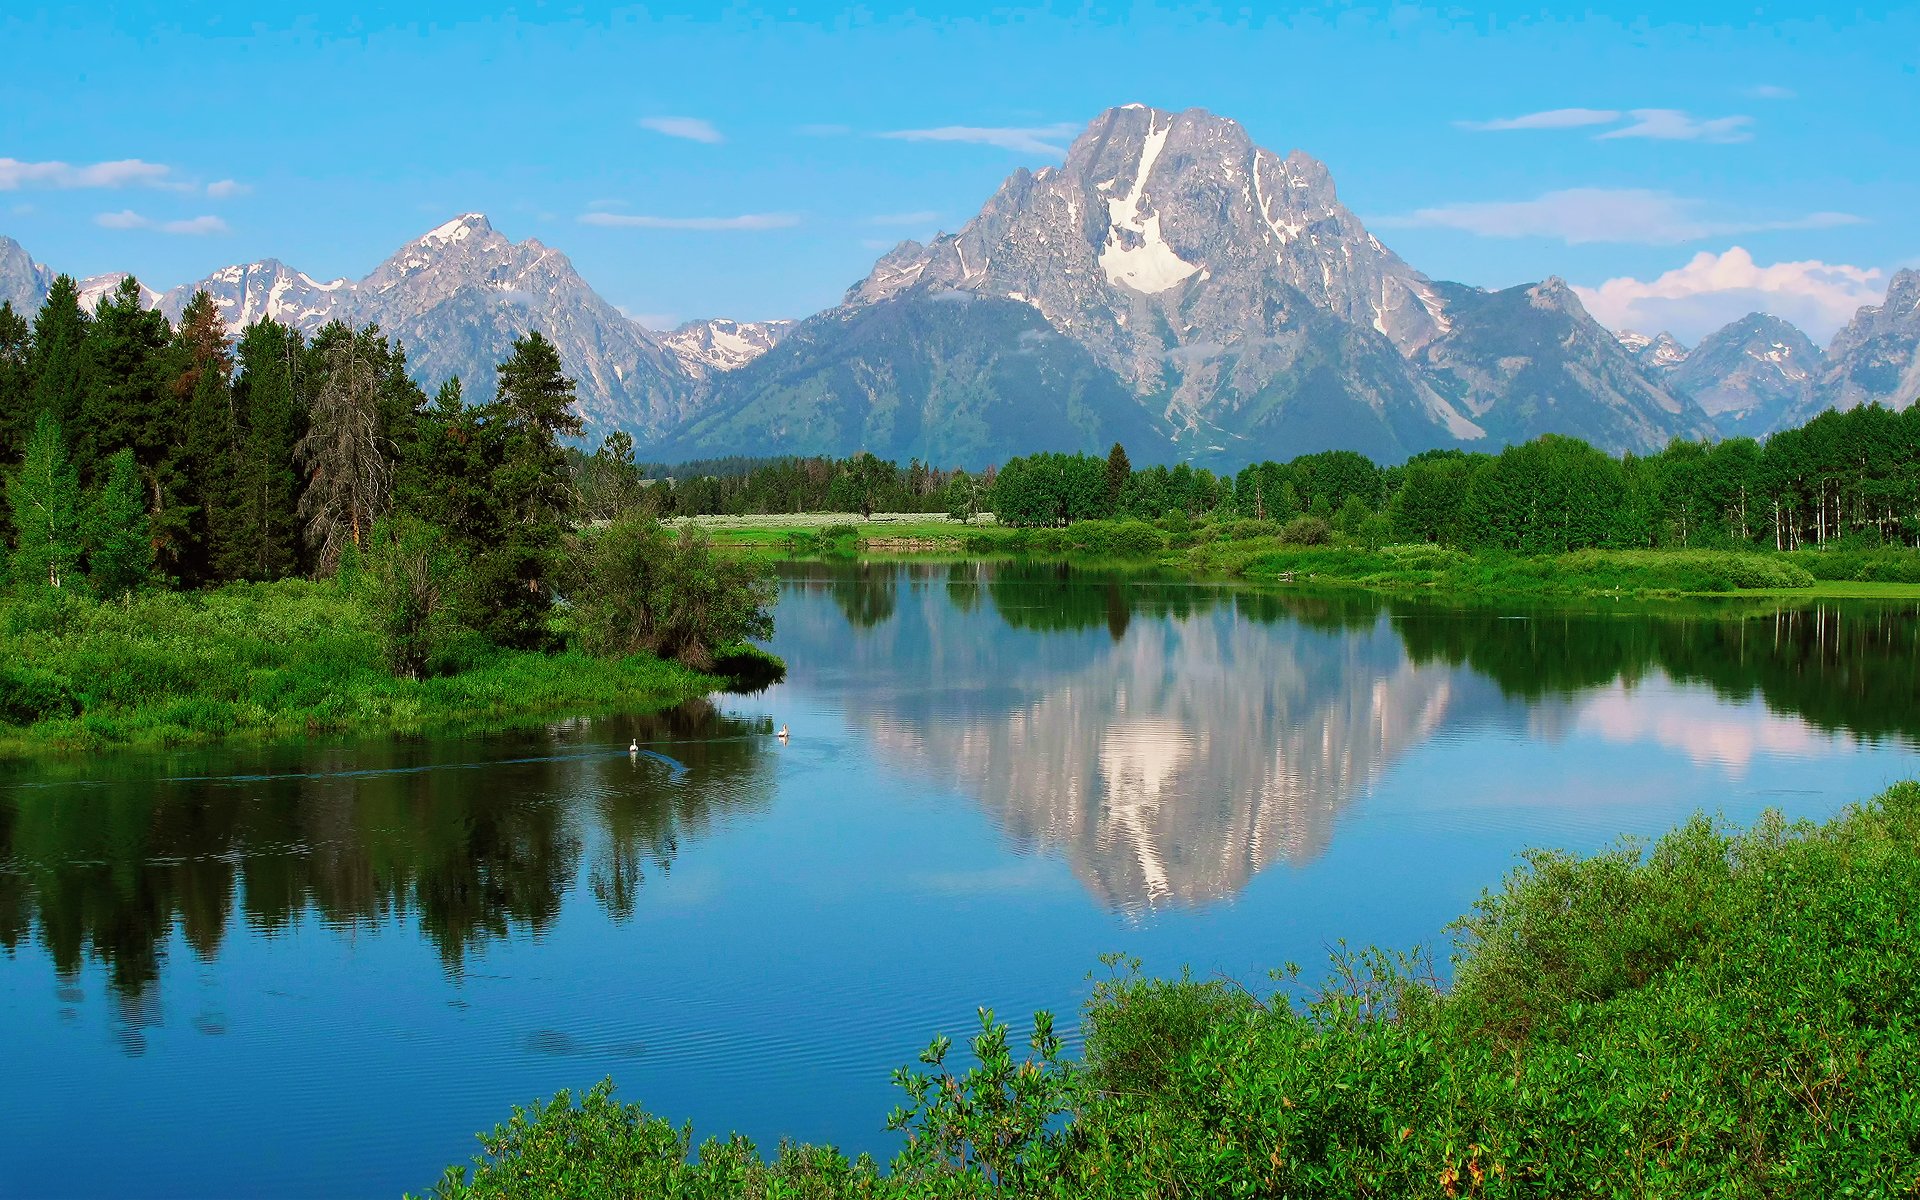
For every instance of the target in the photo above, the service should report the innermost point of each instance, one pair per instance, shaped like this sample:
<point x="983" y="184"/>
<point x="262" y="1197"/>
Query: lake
<point x="320" y="969"/>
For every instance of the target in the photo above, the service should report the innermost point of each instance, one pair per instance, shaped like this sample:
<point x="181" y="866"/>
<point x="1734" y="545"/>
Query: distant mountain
<point x="456" y="297"/>
<point x="717" y="344"/>
<point x="23" y="282"/>
<point x="266" y="290"/>
<point x="1876" y="358"/>
<point x="95" y="288"/>
<point x="1658" y="354"/>
<point x="1751" y="375"/>
<point x="1230" y="300"/>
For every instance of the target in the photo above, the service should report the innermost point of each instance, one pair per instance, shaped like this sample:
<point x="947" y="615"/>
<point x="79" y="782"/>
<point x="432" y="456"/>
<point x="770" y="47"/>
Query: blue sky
<point x="736" y="161"/>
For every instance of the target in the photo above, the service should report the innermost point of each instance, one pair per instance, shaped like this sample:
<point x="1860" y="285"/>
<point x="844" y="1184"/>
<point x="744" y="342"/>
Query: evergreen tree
<point x="44" y="499"/>
<point x="16" y="382"/>
<point x="266" y="527"/>
<point x="59" y="363"/>
<point x="119" y="545"/>
<point x="529" y="494"/>
<point x="204" y="388"/>
<point x="130" y="405"/>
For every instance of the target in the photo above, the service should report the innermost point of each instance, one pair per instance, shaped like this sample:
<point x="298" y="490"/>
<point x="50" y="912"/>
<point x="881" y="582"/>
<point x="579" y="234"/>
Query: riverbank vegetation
<point x="170" y="496"/>
<point x="1727" y="1013"/>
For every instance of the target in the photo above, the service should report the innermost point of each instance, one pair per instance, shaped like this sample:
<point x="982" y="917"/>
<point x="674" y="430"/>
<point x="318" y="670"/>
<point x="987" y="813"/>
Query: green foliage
<point x="1051" y="489"/>
<point x="643" y="590"/>
<point x="1730" y="1014"/>
<point x="1306" y="531"/>
<point x="119" y="546"/>
<point x="599" y="1147"/>
<point x="28" y="694"/>
<point x="43" y="499"/>
<point x="985" y="1131"/>
<point x="281" y="659"/>
<point x="406" y="578"/>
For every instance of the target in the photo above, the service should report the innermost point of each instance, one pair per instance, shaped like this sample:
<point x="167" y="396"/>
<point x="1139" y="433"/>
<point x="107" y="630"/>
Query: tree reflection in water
<point x="359" y="836"/>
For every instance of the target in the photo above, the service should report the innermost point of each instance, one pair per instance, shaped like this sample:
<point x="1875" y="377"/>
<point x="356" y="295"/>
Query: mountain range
<point x="1171" y="286"/>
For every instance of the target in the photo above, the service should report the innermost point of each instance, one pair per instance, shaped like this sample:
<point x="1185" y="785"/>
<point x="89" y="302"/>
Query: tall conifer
<point x="59" y="361"/>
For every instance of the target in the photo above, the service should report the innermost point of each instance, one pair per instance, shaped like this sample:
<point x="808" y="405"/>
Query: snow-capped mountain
<point x="1749" y="375"/>
<point x="717" y="344"/>
<point x="95" y="288"/>
<point x="459" y="295"/>
<point x="1659" y="354"/>
<point x="265" y="290"/>
<point x="1221" y="289"/>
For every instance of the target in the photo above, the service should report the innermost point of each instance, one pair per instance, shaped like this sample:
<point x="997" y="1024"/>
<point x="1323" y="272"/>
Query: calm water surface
<point x="319" y="970"/>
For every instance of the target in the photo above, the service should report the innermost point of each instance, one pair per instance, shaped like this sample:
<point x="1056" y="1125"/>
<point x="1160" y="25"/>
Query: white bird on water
<point x="633" y="747"/>
<point x="783" y="733"/>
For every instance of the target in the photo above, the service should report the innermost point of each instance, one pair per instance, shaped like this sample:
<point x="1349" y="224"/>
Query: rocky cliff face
<point x="23" y="282"/>
<point x="1750" y="375"/>
<point x="1235" y="300"/>
<point x="1876" y="358"/>
<point x="458" y="296"/>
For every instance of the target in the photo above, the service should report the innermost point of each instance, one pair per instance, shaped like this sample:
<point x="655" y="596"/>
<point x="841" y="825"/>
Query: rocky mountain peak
<point x="1876" y="357"/>
<point x="1749" y="374"/>
<point x="718" y="344"/>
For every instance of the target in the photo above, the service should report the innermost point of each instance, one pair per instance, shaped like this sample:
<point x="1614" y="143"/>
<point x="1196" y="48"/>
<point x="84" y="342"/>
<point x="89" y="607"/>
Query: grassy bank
<point x="1727" y="1014"/>
<point x="1259" y="551"/>
<point x="273" y="660"/>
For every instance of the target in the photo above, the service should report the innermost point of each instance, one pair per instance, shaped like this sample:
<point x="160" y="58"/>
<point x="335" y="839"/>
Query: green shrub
<point x="28" y="695"/>
<point x="1306" y="531"/>
<point x="1729" y="1014"/>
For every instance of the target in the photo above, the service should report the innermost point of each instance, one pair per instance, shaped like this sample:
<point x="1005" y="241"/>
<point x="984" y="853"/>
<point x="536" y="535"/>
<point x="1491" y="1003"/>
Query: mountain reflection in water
<point x="1174" y="739"/>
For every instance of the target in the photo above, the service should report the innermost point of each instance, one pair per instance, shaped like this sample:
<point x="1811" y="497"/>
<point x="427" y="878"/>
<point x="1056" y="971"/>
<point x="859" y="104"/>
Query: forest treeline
<point x="1850" y="478"/>
<point x="141" y="454"/>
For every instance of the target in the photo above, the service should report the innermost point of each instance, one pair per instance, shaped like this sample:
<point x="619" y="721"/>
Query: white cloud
<point x="1583" y="215"/>
<point x="126" y="172"/>
<point x="1769" y="91"/>
<point x="222" y="189"/>
<point x="1041" y="139"/>
<point x="1553" y="118"/>
<point x="746" y="221"/>
<point x="692" y="129"/>
<point x="1713" y="289"/>
<point x="190" y="226"/>
<point x="926" y="217"/>
<point x="1672" y="125"/>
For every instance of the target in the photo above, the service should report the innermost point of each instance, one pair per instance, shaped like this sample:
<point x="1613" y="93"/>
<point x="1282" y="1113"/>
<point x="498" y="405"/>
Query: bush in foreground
<point x="1730" y="1014"/>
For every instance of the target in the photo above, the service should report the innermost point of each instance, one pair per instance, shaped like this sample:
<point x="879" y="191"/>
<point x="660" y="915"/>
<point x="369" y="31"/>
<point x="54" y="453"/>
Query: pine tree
<point x="266" y="529"/>
<point x="129" y="405"/>
<point x="119" y="545"/>
<point x="529" y="494"/>
<point x="44" y="498"/>
<point x="16" y="382"/>
<point x="534" y="408"/>
<point x="204" y="388"/>
<point x="59" y="365"/>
